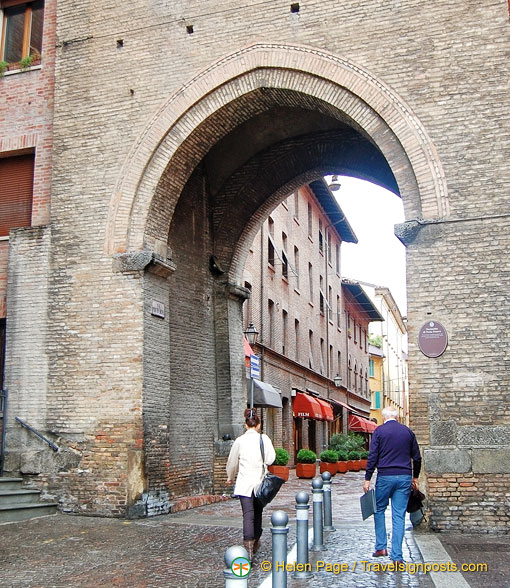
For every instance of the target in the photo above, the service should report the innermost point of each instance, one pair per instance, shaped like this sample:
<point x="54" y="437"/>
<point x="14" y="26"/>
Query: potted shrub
<point x="328" y="461"/>
<point x="279" y="467"/>
<point x="306" y="463"/>
<point x="3" y="67"/>
<point x="343" y="457"/>
<point x="364" y="459"/>
<point x="354" y="460"/>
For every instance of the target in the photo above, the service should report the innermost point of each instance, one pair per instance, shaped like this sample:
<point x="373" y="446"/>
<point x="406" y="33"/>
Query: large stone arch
<point x="177" y="137"/>
<point x="160" y="200"/>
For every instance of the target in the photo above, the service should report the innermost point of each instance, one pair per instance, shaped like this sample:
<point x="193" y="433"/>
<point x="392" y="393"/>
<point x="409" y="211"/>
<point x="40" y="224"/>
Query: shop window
<point x="16" y="189"/>
<point x="22" y="29"/>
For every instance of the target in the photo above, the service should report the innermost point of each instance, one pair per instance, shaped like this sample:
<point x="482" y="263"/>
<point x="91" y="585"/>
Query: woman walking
<point x="245" y="461"/>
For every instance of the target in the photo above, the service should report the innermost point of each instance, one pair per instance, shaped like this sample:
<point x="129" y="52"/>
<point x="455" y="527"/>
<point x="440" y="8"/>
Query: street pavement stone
<point x="186" y="549"/>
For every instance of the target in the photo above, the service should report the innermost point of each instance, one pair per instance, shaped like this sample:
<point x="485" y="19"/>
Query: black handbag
<point x="270" y="484"/>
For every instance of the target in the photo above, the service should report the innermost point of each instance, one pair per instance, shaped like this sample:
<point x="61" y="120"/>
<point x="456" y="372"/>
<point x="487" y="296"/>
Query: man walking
<point x="393" y="448"/>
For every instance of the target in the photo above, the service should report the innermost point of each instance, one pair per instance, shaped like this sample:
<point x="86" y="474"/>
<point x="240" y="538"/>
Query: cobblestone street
<point x="186" y="549"/>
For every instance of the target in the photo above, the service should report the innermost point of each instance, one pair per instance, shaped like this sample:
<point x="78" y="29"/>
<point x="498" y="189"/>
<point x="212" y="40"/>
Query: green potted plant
<point x="328" y="461"/>
<point x="306" y="462"/>
<point x="25" y="63"/>
<point x="343" y="458"/>
<point x="279" y="467"/>
<point x="3" y="67"/>
<point x="354" y="460"/>
<point x="364" y="459"/>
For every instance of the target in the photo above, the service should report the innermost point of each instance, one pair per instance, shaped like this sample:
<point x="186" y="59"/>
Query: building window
<point x="330" y="303"/>
<point x="337" y="259"/>
<point x="22" y="29"/>
<point x="377" y="399"/>
<point x="371" y="368"/>
<point x="322" y="356"/>
<point x="355" y="377"/>
<point x="285" y="318"/>
<point x="296" y="265"/>
<point x="339" y="363"/>
<point x="296" y="338"/>
<point x="349" y="374"/>
<point x="366" y="382"/>
<point x="310" y="281"/>
<point x="310" y="349"/>
<point x="270" y="243"/>
<point x="338" y="311"/>
<point x="321" y="238"/>
<point x="248" y="307"/>
<point x="16" y="184"/>
<point x="355" y="333"/>
<point x="310" y="221"/>
<point x="296" y="205"/>
<point x="285" y="263"/>
<point x="328" y="252"/>
<point x="270" y="308"/>
<point x="330" y="366"/>
<point x="321" y="296"/>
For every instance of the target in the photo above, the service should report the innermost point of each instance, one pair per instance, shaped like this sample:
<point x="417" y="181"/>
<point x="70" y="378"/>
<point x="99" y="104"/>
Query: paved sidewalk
<point x="185" y="550"/>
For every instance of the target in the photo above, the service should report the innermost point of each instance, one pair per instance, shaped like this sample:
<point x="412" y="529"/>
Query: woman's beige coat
<point x="245" y="460"/>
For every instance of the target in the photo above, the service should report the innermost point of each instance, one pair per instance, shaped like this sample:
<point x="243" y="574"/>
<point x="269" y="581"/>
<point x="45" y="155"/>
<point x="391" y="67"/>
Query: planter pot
<point x="356" y="465"/>
<point x="363" y="464"/>
<point x="325" y="466"/>
<point x="341" y="467"/>
<point x="280" y="471"/>
<point x="305" y="470"/>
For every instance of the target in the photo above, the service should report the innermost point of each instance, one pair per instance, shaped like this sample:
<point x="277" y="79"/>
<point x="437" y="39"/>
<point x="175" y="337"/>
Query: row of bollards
<point x="236" y="558"/>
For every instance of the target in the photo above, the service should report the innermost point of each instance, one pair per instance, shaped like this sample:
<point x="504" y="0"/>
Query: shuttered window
<point x="16" y="188"/>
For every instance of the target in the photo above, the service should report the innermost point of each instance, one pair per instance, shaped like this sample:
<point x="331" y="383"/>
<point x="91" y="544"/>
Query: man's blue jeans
<point x="398" y="489"/>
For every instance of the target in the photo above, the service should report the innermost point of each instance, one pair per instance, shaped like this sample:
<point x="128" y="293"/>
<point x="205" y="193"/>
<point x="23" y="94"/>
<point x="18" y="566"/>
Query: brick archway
<point x="180" y="134"/>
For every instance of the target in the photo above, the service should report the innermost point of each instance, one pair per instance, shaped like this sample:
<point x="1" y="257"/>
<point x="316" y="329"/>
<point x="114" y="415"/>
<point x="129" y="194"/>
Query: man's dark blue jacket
<point x="392" y="449"/>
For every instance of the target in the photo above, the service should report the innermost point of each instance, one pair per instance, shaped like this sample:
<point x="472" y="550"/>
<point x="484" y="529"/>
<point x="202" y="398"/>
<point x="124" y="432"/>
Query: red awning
<point x="248" y="351"/>
<point x="306" y="407"/>
<point x="361" y="425"/>
<point x="327" y="411"/>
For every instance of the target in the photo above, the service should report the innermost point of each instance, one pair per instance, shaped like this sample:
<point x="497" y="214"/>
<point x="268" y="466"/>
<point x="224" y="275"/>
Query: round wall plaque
<point x="432" y="339"/>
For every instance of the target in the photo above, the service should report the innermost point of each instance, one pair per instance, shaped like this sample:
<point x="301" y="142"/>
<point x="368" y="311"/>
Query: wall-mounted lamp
<point x="251" y="334"/>
<point x="338" y="380"/>
<point x="335" y="184"/>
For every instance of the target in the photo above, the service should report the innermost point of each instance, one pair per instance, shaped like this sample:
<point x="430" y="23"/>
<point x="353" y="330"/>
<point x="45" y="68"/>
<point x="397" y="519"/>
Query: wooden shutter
<point x="16" y="188"/>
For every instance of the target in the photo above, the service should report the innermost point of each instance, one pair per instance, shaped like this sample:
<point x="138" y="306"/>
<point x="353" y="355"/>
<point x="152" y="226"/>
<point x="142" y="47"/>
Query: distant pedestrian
<point x="393" y="448"/>
<point x="245" y="460"/>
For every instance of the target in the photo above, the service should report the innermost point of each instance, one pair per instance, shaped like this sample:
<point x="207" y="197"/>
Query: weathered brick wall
<point x="26" y="122"/>
<point x="444" y="66"/>
<point x="458" y="402"/>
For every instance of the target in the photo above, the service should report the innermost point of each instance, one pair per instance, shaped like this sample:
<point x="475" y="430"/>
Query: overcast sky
<point x="378" y="257"/>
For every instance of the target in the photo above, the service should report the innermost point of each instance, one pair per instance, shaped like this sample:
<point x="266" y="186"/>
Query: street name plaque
<point x="432" y="339"/>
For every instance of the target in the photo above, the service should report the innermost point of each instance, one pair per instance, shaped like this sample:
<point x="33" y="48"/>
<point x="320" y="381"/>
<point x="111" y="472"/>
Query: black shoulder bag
<point x="270" y="484"/>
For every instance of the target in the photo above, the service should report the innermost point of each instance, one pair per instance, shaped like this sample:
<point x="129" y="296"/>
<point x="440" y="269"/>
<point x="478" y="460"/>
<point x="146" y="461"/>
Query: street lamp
<point x="338" y="381"/>
<point x="251" y="334"/>
<point x="335" y="184"/>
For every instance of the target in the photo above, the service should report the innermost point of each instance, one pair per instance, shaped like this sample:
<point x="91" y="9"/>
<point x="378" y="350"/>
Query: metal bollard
<point x="279" y="532"/>
<point x="328" y="515"/>
<point x="317" y="493"/>
<point x="240" y="578"/>
<point x="303" y="568"/>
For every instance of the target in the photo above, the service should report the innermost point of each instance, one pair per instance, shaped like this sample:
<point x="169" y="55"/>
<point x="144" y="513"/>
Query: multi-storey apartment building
<point x="27" y="63"/>
<point x="313" y="325"/>
<point x="390" y="355"/>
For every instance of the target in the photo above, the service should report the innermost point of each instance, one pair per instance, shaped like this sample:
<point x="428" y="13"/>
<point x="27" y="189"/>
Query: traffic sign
<point x="255" y="367"/>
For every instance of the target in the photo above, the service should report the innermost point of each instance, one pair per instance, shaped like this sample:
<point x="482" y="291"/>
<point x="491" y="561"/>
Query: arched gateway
<point x="207" y="170"/>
